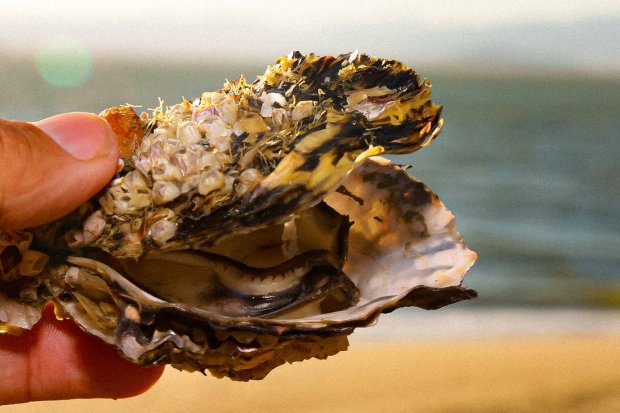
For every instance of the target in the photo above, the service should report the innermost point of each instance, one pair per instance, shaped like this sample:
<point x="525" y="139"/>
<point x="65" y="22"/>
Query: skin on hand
<point x="51" y="167"/>
<point x="48" y="169"/>
<point x="56" y="360"/>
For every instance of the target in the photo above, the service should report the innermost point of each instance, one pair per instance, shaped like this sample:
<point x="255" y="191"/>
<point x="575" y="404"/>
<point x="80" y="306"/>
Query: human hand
<point x="47" y="169"/>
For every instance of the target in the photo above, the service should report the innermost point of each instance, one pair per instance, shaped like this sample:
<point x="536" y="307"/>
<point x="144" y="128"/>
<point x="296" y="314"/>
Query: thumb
<point x="49" y="168"/>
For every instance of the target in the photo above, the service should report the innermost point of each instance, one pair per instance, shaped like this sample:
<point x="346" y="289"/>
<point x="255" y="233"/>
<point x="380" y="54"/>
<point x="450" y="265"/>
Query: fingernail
<point x="84" y="136"/>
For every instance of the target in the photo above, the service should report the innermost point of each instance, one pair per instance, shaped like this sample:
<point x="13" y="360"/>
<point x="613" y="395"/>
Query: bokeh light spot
<point x="64" y="62"/>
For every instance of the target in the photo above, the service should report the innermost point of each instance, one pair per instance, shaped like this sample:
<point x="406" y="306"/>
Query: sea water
<point x="530" y="164"/>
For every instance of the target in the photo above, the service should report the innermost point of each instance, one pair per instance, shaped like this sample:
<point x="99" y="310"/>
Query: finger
<point x="57" y="361"/>
<point x="49" y="168"/>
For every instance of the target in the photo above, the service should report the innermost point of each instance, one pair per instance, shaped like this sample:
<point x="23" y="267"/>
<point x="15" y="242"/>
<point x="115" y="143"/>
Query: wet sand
<point x="510" y="374"/>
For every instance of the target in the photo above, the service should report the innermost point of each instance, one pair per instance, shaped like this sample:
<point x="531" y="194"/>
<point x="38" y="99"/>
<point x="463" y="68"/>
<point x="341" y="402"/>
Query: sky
<point x="438" y="32"/>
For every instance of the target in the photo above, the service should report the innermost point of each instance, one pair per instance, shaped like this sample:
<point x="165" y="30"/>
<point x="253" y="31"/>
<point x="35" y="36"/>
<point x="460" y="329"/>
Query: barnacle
<point x="253" y="226"/>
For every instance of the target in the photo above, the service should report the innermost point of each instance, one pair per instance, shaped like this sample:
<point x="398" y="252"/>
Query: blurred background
<point x="528" y="159"/>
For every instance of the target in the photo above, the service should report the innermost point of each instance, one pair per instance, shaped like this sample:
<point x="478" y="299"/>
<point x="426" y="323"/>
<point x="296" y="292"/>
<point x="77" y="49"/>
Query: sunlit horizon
<point x="581" y="35"/>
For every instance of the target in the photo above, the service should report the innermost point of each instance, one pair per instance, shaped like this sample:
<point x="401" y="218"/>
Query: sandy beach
<point x="493" y="373"/>
<point x="535" y="375"/>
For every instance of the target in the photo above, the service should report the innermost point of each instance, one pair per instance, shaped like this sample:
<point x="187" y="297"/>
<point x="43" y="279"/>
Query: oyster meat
<point x="253" y="226"/>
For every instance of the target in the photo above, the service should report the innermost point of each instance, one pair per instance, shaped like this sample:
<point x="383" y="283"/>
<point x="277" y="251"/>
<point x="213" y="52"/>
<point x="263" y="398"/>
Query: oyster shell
<point x="253" y="226"/>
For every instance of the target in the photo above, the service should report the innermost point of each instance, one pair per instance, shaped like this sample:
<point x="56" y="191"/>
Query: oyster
<point x="253" y="226"/>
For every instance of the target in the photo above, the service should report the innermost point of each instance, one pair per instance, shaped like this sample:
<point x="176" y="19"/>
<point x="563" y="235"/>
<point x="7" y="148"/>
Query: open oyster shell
<point x="253" y="226"/>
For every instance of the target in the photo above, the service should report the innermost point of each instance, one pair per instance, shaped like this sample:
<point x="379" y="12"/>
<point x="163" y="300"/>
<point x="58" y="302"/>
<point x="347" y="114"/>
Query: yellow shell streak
<point x="330" y="169"/>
